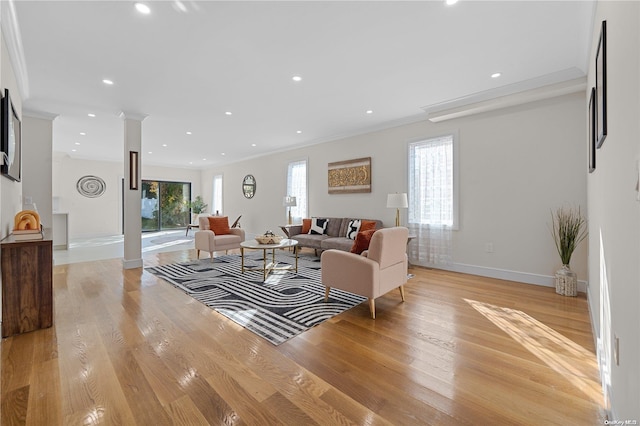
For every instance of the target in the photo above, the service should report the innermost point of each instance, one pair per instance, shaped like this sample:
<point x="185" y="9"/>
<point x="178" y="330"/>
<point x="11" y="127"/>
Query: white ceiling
<point x="187" y="63"/>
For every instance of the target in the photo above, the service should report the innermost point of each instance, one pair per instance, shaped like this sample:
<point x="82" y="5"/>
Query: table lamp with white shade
<point x="289" y="201"/>
<point x="397" y="201"/>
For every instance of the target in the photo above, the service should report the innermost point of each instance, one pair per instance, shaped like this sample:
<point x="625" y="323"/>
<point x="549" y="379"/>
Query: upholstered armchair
<point x="224" y="238"/>
<point x="380" y="269"/>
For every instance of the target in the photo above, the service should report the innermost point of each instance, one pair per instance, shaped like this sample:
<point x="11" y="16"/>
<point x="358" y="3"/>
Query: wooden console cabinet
<point x="27" y="284"/>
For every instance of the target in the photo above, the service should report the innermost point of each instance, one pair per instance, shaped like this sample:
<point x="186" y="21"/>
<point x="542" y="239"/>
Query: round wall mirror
<point x="249" y="186"/>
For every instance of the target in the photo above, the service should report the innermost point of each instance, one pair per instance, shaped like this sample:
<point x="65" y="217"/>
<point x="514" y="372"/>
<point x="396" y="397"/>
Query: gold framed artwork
<point x="350" y="176"/>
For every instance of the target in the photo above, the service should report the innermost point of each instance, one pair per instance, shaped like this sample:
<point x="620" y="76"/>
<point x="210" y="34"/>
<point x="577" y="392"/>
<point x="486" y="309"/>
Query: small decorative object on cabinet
<point x="569" y="229"/>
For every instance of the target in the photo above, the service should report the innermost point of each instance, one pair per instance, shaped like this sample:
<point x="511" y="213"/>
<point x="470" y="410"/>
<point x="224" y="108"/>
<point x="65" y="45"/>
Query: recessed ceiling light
<point x="92" y="115"/>
<point x="190" y="162"/>
<point x="107" y="81"/>
<point x="222" y="153"/>
<point x="451" y="2"/>
<point x="369" y="111"/>
<point x="298" y="131"/>
<point x="164" y="144"/>
<point x="204" y="159"/>
<point x="228" y="113"/>
<point x="77" y="143"/>
<point x="496" y="75"/>
<point x="188" y="133"/>
<point x="296" y="78"/>
<point x="253" y="144"/>
<point x="150" y="152"/>
<point x="143" y="8"/>
<point x="73" y="150"/>
<point x="83" y="133"/>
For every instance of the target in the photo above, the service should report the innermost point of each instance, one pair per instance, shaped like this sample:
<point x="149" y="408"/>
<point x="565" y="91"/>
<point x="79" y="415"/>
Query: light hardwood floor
<point x="127" y="348"/>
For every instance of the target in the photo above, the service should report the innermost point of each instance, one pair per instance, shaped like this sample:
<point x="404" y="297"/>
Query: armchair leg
<point x="372" y="307"/>
<point x="402" y="292"/>
<point x="211" y="254"/>
<point x="197" y="254"/>
<point x="326" y="290"/>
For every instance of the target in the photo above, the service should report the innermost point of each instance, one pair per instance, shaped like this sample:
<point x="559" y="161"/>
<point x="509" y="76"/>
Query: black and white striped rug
<point x="282" y="307"/>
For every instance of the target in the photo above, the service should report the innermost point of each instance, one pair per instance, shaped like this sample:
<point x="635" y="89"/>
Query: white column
<point x="132" y="187"/>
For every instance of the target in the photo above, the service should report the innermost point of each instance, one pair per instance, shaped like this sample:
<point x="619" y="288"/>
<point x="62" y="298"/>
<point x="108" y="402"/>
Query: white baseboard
<point x="504" y="274"/>
<point x="131" y="264"/>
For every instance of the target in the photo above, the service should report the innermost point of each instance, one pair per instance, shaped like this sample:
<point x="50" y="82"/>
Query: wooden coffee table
<point x="272" y="266"/>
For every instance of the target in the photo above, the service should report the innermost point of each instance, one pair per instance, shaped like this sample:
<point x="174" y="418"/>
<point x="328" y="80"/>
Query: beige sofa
<point x="335" y="237"/>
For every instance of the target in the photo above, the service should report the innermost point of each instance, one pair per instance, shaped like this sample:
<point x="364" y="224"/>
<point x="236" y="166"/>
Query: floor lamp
<point x="289" y="201"/>
<point x="397" y="201"/>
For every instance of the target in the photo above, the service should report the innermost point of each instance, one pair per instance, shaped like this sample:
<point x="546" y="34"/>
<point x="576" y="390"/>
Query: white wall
<point x="516" y="165"/>
<point x="10" y="191"/>
<point x="102" y="216"/>
<point x="37" y="150"/>
<point x="614" y="225"/>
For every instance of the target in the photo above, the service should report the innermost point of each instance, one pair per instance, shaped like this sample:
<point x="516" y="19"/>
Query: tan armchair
<point x="377" y="271"/>
<point x="207" y="240"/>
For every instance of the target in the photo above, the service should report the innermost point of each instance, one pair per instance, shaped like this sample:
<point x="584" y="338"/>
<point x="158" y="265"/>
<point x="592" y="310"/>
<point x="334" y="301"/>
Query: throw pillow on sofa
<point x="219" y="225"/>
<point x="353" y="228"/>
<point x="306" y="226"/>
<point x="318" y="226"/>
<point x="362" y="241"/>
<point x="367" y="225"/>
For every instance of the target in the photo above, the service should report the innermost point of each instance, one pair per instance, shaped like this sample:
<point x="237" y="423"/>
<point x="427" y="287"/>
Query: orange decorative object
<point x="27" y="220"/>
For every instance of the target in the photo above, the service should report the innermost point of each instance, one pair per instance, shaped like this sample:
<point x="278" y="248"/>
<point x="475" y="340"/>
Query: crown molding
<point x="127" y="115"/>
<point x="13" y="40"/>
<point x="39" y="114"/>
<point x="545" y="87"/>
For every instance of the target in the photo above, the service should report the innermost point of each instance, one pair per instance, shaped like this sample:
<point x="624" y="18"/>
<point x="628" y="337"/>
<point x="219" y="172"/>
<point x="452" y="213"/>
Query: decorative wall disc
<point x="91" y="186"/>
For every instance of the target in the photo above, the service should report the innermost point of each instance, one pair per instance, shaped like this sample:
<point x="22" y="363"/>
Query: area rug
<point x="285" y="305"/>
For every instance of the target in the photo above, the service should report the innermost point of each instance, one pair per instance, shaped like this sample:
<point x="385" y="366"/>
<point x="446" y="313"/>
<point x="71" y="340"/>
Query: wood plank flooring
<point x="127" y="348"/>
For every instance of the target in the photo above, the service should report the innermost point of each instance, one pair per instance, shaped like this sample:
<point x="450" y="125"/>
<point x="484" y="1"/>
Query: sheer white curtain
<point x="216" y="206"/>
<point x="431" y="200"/>
<point x="297" y="187"/>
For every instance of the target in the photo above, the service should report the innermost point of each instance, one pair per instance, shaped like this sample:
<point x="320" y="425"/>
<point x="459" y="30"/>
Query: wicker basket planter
<point x="566" y="281"/>
<point x="269" y="239"/>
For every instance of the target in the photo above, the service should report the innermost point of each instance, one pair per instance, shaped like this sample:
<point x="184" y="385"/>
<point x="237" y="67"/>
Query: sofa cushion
<point x="362" y="241"/>
<point x="338" y="243"/>
<point x="335" y="227"/>
<point x="313" y="241"/>
<point x="318" y="226"/>
<point x="219" y="224"/>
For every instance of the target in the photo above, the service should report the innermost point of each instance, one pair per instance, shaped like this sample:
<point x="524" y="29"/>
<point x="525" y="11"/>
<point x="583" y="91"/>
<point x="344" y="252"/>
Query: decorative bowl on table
<point x="269" y="238"/>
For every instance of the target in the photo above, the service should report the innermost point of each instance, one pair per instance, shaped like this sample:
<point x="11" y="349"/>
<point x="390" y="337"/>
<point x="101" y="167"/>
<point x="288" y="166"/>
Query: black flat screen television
<point x="11" y="136"/>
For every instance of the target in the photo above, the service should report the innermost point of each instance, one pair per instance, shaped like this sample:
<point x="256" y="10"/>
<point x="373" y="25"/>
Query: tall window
<point x="216" y="196"/>
<point x="432" y="199"/>
<point x="297" y="187"/>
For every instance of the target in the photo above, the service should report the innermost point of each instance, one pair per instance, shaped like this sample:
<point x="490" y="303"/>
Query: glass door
<point x="165" y="205"/>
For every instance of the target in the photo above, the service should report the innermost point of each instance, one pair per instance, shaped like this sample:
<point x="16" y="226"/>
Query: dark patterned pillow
<point x="318" y="226"/>
<point x="353" y="228"/>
